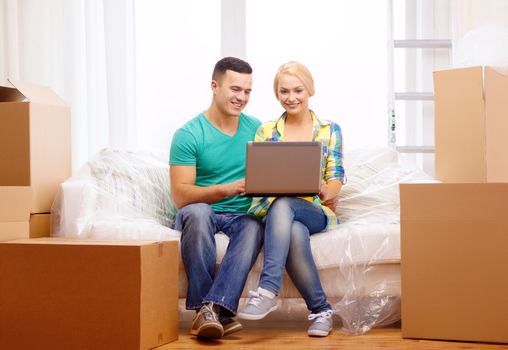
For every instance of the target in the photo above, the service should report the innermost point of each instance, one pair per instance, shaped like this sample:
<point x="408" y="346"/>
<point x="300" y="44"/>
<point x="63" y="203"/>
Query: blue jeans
<point x="289" y="224"/>
<point x="199" y="224"/>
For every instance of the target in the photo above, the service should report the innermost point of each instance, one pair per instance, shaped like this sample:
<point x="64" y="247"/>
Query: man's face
<point x="232" y="92"/>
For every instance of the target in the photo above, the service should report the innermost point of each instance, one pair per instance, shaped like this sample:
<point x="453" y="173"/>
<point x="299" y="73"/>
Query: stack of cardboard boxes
<point x="454" y="234"/>
<point x="35" y="157"/>
<point x="67" y="293"/>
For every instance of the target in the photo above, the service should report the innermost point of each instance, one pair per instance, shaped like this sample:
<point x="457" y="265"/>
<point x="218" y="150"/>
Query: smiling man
<point x="207" y="170"/>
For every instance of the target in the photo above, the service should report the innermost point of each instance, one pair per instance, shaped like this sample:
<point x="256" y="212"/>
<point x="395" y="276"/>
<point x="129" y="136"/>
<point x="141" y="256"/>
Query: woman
<point x="290" y="221"/>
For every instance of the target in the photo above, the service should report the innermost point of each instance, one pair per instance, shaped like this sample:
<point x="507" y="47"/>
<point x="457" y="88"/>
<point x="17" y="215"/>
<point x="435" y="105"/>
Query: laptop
<point x="283" y="169"/>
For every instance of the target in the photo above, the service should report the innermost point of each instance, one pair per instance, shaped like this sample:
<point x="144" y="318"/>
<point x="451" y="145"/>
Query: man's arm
<point x="184" y="190"/>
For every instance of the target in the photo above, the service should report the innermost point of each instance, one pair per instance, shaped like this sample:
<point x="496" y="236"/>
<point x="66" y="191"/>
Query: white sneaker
<point x="260" y="304"/>
<point x="322" y="325"/>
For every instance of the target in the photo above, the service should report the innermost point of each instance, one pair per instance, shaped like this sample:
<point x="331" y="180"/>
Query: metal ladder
<point x="393" y="95"/>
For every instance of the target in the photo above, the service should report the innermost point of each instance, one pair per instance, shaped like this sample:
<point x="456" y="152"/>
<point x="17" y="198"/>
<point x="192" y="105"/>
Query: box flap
<point x="8" y="94"/>
<point x="496" y="105"/>
<point x="15" y="144"/>
<point x="453" y="202"/>
<point x="460" y="125"/>
<point x="15" y="203"/>
<point x="38" y="93"/>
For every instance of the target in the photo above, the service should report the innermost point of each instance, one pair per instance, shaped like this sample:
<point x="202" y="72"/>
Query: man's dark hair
<point x="230" y="63"/>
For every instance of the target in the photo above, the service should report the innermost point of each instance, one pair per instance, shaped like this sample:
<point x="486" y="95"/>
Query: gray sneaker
<point x="322" y="325"/>
<point x="258" y="306"/>
<point x="206" y="323"/>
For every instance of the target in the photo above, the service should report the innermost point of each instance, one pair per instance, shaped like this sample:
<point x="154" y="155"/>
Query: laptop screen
<point x="283" y="168"/>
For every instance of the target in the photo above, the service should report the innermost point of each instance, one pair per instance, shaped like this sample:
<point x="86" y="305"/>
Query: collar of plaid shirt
<point x="278" y="131"/>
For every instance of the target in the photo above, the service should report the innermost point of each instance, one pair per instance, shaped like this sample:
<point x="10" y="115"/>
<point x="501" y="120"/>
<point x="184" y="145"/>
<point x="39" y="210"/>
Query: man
<point x="207" y="169"/>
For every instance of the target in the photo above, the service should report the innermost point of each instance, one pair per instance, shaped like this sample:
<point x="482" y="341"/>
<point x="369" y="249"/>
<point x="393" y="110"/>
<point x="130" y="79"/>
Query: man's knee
<point x="195" y="212"/>
<point x="196" y="209"/>
<point x="197" y="224"/>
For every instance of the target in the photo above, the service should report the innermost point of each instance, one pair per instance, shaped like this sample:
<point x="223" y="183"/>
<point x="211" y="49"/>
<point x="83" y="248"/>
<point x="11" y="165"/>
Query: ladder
<point x="393" y="96"/>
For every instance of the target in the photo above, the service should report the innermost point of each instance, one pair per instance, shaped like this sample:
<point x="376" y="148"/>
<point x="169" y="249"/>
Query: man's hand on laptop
<point x="233" y="188"/>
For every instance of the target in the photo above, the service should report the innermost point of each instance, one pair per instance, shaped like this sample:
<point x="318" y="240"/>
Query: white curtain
<point x="480" y="33"/>
<point x="84" y="50"/>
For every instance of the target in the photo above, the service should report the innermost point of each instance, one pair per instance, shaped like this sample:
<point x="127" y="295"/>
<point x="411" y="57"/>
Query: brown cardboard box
<point x="35" y="144"/>
<point x="14" y="212"/>
<point x="14" y="230"/>
<point x="454" y="261"/>
<point x="471" y="121"/>
<point x="40" y="225"/>
<point x="75" y="294"/>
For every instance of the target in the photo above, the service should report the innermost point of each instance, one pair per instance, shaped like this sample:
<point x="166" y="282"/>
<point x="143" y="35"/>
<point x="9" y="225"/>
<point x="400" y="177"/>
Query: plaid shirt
<point x="326" y="131"/>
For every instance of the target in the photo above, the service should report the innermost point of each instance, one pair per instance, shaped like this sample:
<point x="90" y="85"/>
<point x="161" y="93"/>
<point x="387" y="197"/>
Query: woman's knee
<point x="282" y="204"/>
<point x="300" y="237"/>
<point x="281" y="212"/>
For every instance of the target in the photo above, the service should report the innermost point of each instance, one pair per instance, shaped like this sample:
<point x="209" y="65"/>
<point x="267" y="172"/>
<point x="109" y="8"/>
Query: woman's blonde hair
<point x="298" y="70"/>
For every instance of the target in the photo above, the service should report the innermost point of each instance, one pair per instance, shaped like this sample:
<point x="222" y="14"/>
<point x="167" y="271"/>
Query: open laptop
<point x="283" y="169"/>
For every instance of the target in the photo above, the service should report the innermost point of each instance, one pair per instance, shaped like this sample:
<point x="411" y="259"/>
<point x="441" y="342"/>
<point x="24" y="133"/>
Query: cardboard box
<point x="471" y="121"/>
<point x="40" y="225"/>
<point x="454" y="261"/>
<point x="14" y="212"/>
<point x="14" y="230"/>
<point x="35" y="143"/>
<point x="75" y="294"/>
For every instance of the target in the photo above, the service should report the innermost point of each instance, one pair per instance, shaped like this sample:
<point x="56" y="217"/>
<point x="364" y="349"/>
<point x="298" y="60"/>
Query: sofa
<point x="126" y="195"/>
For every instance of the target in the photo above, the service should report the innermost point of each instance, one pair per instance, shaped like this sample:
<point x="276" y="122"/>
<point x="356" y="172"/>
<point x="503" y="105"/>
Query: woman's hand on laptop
<point x="328" y="197"/>
<point x="233" y="188"/>
<point x="332" y="203"/>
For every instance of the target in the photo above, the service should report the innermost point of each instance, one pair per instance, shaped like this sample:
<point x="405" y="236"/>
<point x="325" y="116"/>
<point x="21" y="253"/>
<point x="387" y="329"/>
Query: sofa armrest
<point x="73" y="205"/>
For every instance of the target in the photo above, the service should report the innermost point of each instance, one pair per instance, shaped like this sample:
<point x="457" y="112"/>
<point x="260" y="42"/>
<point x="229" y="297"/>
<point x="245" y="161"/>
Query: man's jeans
<point x="199" y="224"/>
<point x="289" y="223"/>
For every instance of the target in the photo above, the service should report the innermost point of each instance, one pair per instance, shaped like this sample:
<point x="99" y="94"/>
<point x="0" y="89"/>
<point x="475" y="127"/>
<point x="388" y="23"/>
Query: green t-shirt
<point x="218" y="158"/>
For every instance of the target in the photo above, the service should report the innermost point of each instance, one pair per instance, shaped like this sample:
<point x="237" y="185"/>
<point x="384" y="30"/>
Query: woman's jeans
<point x="289" y="224"/>
<point x="199" y="224"/>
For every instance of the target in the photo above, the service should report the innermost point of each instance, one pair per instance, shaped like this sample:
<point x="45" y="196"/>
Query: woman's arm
<point x="334" y="171"/>
<point x="329" y="193"/>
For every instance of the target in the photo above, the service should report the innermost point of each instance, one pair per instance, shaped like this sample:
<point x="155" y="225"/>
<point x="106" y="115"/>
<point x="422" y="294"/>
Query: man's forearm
<point x="188" y="194"/>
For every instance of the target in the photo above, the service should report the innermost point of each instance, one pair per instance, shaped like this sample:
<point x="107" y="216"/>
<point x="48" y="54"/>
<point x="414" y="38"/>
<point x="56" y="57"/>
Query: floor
<point x="293" y="336"/>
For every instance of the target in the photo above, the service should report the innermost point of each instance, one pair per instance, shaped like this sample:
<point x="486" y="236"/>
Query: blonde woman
<point x="290" y="221"/>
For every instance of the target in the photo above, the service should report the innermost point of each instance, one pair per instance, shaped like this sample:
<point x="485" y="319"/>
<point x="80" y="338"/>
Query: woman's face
<point x="292" y="95"/>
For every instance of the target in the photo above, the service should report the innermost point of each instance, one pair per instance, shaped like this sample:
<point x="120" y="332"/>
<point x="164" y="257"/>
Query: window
<point x="344" y="47"/>
<point x="177" y="45"/>
<point x="343" y="43"/>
